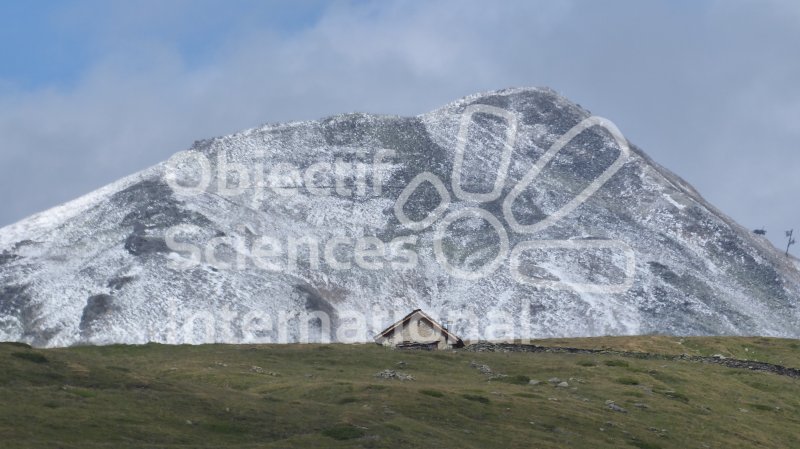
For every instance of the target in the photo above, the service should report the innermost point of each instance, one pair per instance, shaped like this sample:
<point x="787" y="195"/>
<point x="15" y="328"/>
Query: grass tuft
<point x="627" y="381"/>
<point x="675" y="395"/>
<point x="30" y="356"/>
<point x="516" y="380"/>
<point x="645" y="445"/>
<point x="617" y="363"/>
<point x="432" y="393"/>
<point x="343" y="432"/>
<point x="476" y="398"/>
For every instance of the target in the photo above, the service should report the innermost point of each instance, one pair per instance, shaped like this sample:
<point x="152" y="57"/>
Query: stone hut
<point x="418" y="330"/>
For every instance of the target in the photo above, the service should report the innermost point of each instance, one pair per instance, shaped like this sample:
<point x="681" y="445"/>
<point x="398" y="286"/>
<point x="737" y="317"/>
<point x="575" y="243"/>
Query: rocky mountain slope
<point x="513" y="214"/>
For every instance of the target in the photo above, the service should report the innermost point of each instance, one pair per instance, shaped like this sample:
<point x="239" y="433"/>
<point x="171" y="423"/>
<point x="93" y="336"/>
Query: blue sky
<point x="91" y="91"/>
<point x="49" y="43"/>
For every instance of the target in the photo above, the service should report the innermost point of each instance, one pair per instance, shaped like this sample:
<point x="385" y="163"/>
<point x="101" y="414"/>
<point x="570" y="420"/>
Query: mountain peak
<point x="513" y="206"/>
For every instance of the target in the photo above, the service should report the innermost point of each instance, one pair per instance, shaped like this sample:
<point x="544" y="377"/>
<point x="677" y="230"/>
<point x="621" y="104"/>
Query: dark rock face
<point x="466" y="212"/>
<point x="118" y="282"/>
<point x="97" y="307"/>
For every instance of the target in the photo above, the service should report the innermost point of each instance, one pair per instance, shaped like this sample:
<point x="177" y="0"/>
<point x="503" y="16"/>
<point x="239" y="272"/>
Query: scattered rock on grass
<point x="392" y="374"/>
<point x="484" y="369"/>
<point x="613" y="406"/>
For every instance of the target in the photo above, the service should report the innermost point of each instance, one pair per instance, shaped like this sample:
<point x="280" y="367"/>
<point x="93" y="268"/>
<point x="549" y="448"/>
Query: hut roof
<point x="423" y="317"/>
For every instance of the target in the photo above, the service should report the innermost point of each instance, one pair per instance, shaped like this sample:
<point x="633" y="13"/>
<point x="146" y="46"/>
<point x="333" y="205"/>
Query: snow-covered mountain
<point x="510" y="213"/>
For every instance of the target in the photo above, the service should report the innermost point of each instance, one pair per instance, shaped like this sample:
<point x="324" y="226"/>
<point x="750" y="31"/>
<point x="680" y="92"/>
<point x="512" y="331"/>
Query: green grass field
<point x="327" y="396"/>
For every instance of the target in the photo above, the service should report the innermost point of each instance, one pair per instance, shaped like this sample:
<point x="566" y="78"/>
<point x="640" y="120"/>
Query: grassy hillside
<point x="327" y="396"/>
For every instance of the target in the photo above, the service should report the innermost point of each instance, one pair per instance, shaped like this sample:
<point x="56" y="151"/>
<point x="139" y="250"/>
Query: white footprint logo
<point x="508" y="214"/>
